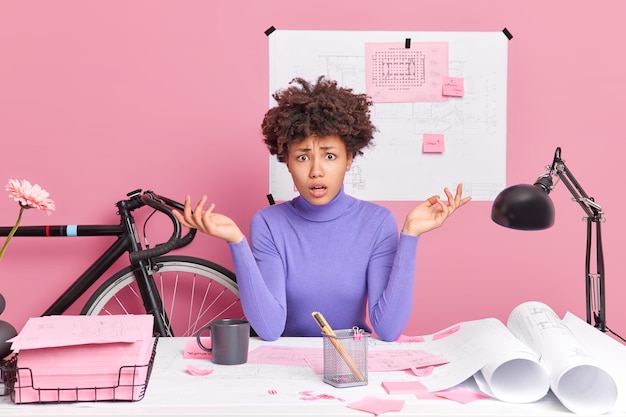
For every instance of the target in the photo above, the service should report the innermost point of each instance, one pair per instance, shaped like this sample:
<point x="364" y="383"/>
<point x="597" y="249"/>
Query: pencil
<point x="321" y="321"/>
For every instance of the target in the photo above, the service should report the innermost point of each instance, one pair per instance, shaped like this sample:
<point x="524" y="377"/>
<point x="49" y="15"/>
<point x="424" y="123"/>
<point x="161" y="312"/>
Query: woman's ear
<point x="284" y="158"/>
<point x="349" y="164"/>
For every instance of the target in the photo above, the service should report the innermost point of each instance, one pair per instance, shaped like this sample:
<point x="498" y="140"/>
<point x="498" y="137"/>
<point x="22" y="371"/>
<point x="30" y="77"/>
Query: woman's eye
<point x="302" y="158"/>
<point x="330" y="156"/>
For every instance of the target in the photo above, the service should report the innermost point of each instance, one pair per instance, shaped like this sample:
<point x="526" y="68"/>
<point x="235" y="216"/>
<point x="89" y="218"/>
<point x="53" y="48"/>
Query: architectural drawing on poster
<point x="396" y="168"/>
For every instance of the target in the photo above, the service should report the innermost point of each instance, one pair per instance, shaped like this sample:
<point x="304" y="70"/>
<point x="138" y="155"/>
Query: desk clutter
<point x="534" y="364"/>
<point x="81" y="358"/>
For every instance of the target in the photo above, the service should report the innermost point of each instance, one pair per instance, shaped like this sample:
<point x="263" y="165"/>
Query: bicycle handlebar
<point x="164" y="205"/>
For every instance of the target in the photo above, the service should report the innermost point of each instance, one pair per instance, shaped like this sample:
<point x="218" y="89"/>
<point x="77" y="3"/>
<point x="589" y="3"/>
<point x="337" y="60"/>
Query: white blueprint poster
<point x="398" y="167"/>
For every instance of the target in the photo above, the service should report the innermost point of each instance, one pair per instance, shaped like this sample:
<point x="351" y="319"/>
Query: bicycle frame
<point x="128" y="240"/>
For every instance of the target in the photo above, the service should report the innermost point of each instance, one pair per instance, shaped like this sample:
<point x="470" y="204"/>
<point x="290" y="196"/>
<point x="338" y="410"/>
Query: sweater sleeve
<point x="390" y="285"/>
<point x="261" y="284"/>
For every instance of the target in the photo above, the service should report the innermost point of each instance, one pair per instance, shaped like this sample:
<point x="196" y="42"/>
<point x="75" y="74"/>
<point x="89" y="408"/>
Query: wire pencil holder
<point x="345" y="358"/>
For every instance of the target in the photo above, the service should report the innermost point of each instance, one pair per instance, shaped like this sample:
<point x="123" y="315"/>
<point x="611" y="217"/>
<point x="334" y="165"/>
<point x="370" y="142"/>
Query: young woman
<point x="324" y="250"/>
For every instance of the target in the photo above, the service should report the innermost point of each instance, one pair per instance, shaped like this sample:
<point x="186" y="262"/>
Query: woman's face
<point x="318" y="167"/>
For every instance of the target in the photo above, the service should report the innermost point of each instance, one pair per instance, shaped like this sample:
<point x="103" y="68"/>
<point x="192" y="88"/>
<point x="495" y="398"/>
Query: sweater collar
<point x="335" y="208"/>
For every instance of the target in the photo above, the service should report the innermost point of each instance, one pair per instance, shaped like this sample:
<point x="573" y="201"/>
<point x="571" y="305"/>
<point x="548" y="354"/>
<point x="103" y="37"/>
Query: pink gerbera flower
<point x="27" y="196"/>
<point x="30" y="196"/>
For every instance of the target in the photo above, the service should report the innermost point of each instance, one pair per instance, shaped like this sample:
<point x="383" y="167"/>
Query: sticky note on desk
<point x="453" y="86"/>
<point x="193" y="351"/>
<point x="447" y="332"/>
<point x="403" y="387"/>
<point x="433" y="143"/>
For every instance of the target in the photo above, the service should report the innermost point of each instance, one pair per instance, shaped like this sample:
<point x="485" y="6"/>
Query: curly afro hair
<point x="320" y="109"/>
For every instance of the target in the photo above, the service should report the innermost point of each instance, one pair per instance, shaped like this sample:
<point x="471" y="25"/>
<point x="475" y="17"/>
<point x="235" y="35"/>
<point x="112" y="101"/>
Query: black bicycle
<point x="183" y="293"/>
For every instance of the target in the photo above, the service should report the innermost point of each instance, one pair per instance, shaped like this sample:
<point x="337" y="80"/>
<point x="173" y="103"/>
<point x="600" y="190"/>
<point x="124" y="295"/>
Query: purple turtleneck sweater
<point x="340" y="259"/>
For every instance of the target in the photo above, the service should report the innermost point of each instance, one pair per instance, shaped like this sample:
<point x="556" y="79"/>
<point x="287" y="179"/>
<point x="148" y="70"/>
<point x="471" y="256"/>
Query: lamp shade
<point x="523" y="207"/>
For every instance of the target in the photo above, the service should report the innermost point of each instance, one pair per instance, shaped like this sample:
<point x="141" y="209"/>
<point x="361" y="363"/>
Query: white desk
<point x="244" y="390"/>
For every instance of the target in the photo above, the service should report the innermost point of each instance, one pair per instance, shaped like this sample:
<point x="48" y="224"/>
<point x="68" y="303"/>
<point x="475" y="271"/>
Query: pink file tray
<point x="129" y="384"/>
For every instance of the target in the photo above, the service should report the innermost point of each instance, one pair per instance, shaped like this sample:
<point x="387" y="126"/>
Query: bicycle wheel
<point x="194" y="292"/>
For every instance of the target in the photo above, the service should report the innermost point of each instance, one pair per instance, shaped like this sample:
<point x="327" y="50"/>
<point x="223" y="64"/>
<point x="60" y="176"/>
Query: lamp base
<point x="7" y="331"/>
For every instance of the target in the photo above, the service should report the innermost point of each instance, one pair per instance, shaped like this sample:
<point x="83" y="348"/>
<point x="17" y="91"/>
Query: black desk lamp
<point x="528" y="207"/>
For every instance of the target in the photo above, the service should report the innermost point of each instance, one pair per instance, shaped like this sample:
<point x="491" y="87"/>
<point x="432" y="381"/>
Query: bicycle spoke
<point x="192" y="292"/>
<point x="192" y="325"/>
<point x="213" y="315"/>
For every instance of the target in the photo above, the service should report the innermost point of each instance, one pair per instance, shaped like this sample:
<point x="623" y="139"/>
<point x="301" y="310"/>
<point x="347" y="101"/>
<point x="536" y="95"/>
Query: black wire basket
<point x="21" y="385"/>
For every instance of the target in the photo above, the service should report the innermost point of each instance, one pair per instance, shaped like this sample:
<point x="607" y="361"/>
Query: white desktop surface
<point x="267" y="390"/>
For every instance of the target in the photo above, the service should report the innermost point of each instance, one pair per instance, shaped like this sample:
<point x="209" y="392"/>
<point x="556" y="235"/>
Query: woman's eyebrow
<point x="302" y="149"/>
<point x="308" y="149"/>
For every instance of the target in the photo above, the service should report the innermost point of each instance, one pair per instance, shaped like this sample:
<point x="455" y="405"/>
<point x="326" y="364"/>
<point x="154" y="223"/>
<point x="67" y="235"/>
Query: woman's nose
<point x="316" y="168"/>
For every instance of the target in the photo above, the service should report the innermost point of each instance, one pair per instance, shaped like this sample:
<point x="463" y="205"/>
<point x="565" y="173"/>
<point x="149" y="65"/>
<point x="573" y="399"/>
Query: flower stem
<point x="12" y="232"/>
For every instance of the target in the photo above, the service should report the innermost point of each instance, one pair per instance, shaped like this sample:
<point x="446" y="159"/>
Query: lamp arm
<point x="588" y="204"/>
<point x="594" y="283"/>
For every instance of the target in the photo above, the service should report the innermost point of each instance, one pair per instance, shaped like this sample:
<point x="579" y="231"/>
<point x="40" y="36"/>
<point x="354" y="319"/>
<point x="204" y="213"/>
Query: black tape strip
<point x="270" y="30"/>
<point x="407" y="43"/>
<point x="507" y="33"/>
<point x="271" y="199"/>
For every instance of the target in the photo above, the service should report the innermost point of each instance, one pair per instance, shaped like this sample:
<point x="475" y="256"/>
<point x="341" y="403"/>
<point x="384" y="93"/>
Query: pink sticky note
<point x="403" y="387"/>
<point x="453" y="86"/>
<point x="377" y="406"/>
<point x="447" y="332"/>
<point x="426" y="395"/>
<point x="195" y="371"/>
<point x="409" y="339"/>
<point x="193" y="351"/>
<point x="461" y="395"/>
<point x="432" y="143"/>
<point x="425" y="371"/>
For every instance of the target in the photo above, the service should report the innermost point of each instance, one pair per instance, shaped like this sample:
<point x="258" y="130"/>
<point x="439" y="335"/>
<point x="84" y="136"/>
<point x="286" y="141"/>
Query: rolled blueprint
<point x="576" y="378"/>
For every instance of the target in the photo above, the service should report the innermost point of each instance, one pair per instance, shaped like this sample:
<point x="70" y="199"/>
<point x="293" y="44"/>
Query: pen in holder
<point x="345" y="358"/>
<point x="338" y="351"/>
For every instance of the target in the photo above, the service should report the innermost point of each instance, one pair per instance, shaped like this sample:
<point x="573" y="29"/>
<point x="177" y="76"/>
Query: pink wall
<point x="174" y="91"/>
